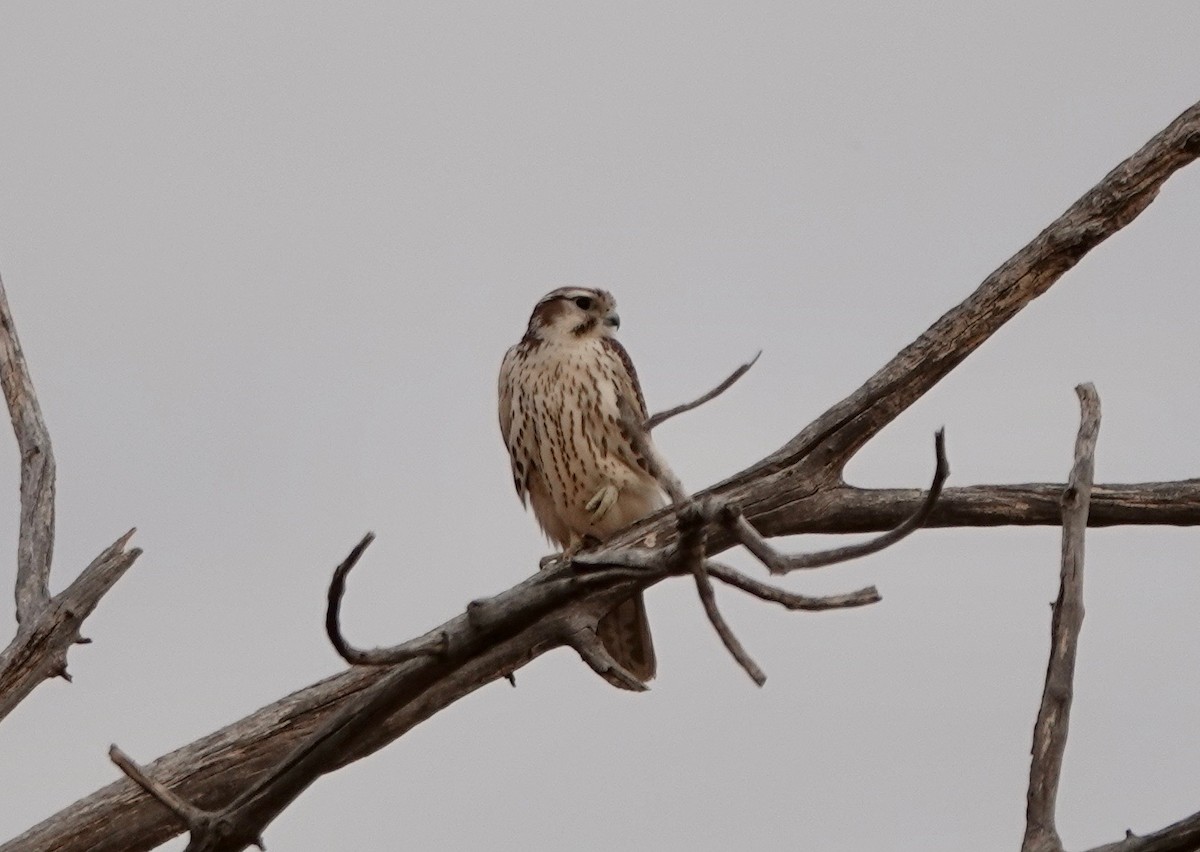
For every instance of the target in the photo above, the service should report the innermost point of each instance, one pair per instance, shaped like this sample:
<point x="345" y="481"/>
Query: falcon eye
<point x="583" y="302"/>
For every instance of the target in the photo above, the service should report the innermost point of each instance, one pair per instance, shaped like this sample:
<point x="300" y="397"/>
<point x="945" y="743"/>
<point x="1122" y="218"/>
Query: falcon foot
<point x="601" y="502"/>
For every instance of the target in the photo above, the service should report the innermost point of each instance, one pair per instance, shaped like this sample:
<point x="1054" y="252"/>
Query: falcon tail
<point x="625" y="633"/>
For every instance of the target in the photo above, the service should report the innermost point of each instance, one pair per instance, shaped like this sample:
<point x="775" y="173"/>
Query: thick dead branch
<point x="849" y="509"/>
<point x="1054" y="716"/>
<point x="778" y="495"/>
<point x="660" y="417"/>
<point x="832" y="439"/>
<point x="1182" y="836"/>
<point x="422" y="646"/>
<point x="733" y="645"/>
<point x="46" y="627"/>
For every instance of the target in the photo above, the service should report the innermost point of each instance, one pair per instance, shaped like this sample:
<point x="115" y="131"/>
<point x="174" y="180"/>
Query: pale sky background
<point x="265" y="259"/>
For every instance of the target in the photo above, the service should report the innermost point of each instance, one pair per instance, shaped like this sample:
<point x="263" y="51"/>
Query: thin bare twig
<point x="690" y="556"/>
<point x="778" y="563"/>
<point x="1050" y="731"/>
<point x="732" y="644"/>
<point x="657" y="419"/>
<point x="188" y="813"/>
<point x="791" y="600"/>
<point x="211" y="831"/>
<point x="422" y="646"/>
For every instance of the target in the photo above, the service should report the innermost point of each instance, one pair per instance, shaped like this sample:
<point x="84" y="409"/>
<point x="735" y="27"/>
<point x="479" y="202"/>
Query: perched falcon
<point x="561" y="394"/>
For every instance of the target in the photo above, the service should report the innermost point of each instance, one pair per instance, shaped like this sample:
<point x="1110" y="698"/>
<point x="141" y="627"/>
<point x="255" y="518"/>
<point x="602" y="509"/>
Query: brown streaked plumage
<point x="561" y="389"/>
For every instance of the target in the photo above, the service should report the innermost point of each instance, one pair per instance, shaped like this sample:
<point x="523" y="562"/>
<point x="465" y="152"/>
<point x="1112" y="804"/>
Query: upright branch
<point x="46" y="627"/>
<point x="1050" y="731"/>
<point x="35" y="543"/>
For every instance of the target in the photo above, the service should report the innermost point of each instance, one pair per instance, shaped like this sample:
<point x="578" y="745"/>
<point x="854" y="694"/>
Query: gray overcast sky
<point x="265" y="259"/>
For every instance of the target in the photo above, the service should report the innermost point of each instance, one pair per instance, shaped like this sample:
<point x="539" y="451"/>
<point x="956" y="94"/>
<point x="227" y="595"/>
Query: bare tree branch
<point x="729" y="639"/>
<point x="660" y="417"/>
<point x="46" y="627"/>
<point x="791" y="600"/>
<point x="1053" y="721"/>
<point x="777" y="495"/>
<point x="691" y="557"/>
<point x="185" y="812"/>
<point x="833" y="438"/>
<point x="1182" y="836"/>
<point x="35" y="547"/>
<point x="211" y="831"/>
<point x="849" y="509"/>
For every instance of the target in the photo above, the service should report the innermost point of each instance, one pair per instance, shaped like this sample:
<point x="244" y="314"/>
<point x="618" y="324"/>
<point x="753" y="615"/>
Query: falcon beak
<point x="613" y="319"/>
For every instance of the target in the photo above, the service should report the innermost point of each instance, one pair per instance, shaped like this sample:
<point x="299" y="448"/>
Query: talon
<point x="601" y="502"/>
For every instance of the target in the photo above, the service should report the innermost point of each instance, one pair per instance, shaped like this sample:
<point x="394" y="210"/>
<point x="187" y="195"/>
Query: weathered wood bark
<point x="797" y="489"/>
<point x="47" y="626"/>
<point x="1053" y="719"/>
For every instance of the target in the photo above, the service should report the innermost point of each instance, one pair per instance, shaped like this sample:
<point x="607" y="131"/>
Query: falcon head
<point x="574" y="313"/>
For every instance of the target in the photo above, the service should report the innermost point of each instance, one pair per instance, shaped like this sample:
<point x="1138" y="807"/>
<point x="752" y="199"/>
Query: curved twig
<point x="778" y="563"/>
<point x="422" y="646"/>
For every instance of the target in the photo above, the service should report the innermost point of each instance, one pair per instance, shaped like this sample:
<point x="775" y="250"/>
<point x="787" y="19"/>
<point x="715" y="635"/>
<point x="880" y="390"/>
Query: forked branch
<point x="47" y="626"/>
<point x="35" y="544"/>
